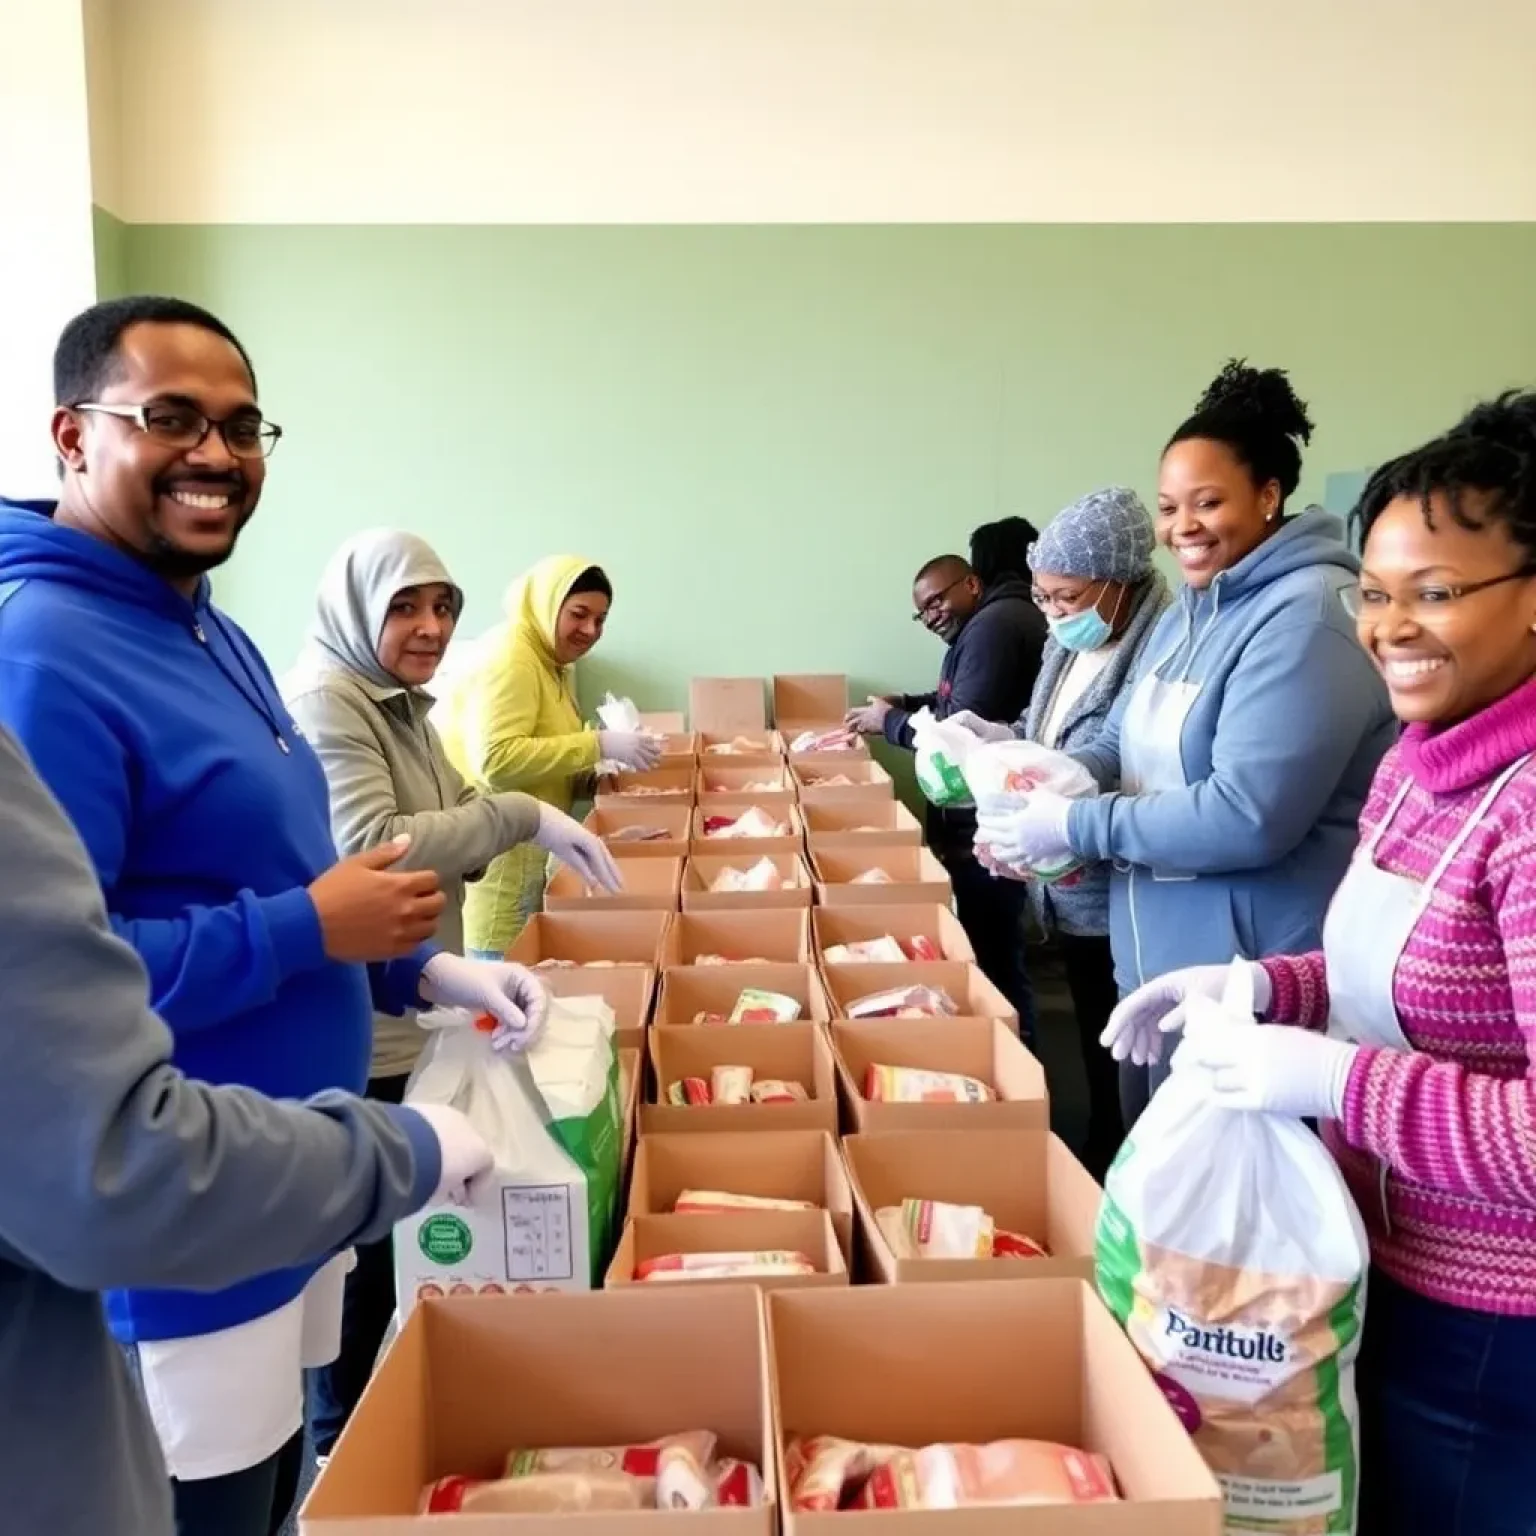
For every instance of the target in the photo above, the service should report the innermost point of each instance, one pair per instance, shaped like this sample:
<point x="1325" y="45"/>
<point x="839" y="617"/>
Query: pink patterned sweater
<point x="1452" y="1122"/>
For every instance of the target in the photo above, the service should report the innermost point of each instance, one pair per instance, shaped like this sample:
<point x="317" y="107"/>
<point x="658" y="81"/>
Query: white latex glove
<point x="583" y="851"/>
<point x="1034" y="833"/>
<point x="1136" y="1028"/>
<point x="996" y="870"/>
<point x="637" y="750"/>
<point x="1269" y="1067"/>
<point x="983" y="730"/>
<point x="511" y="994"/>
<point x="465" y="1152"/>
<point x="869" y="720"/>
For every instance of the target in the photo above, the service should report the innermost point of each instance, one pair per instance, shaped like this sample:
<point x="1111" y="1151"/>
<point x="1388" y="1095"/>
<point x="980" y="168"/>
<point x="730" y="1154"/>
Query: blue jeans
<point x="1447" y="1418"/>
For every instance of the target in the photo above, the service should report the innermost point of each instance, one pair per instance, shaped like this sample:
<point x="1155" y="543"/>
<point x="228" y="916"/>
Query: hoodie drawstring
<point x="258" y="703"/>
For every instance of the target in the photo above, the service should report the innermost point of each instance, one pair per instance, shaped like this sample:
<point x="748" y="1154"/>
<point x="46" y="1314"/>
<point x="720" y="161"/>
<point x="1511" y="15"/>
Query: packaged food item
<point x="555" y="965"/>
<point x="920" y="1085"/>
<point x="642" y="1460"/>
<point x="643" y="791"/>
<point x="1014" y="1245"/>
<point x="705" y="1016"/>
<point x="921" y="947"/>
<point x="1005" y="1472"/>
<point x="939" y="754"/>
<point x="712" y="1202"/>
<point x="737" y="746"/>
<point x="756" y="1006"/>
<point x="934" y="1229"/>
<point x="772" y="1090"/>
<point x="883" y="950"/>
<point x="1250" y="1327"/>
<point x="738" y="1484"/>
<point x="819" y="1469"/>
<point x="541" y="1493"/>
<point x="638" y="835"/>
<point x="730" y="1085"/>
<point x="917" y="1002"/>
<point x="829" y="780"/>
<point x="730" y="960"/>
<point x="872" y="877"/>
<point x="835" y="740"/>
<point x="689" y="1090"/>
<point x="1002" y="773"/>
<point x="722" y="1266"/>
<point x="683" y="1480"/>
<point x="761" y="876"/>
<point x="753" y="822"/>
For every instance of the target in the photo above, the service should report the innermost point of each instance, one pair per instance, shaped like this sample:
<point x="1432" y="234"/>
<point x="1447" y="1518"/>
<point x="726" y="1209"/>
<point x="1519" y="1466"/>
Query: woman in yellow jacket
<point x="510" y="721"/>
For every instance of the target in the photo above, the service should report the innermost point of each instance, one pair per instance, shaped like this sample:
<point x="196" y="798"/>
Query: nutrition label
<point x="537" y="1222"/>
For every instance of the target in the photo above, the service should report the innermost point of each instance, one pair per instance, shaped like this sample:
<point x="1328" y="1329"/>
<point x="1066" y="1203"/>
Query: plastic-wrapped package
<point x="540" y="1493"/>
<point x="916" y="1002"/>
<point x="730" y="1085"/>
<point x="875" y="876"/>
<point x="761" y="876"/>
<point x="776" y="1090"/>
<point x="753" y="822"/>
<point x="1002" y="774"/>
<point x="723" y="1266"/>
<point x="1005" y="1472"/>
<point x="940" y="751"/>
<point x="935" y="1229"/>
<point x="883" y="950"/>
<point x="918" y="1085"/>
<point x="755" y="1006"/>
<point x="713" y="1202"/>
<point x="638" y="835"/>
<point x="837" y="739"/>
<point x="689" y="1090"/>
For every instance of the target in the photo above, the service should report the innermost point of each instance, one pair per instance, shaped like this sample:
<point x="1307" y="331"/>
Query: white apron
<point x="1370" y="920"/>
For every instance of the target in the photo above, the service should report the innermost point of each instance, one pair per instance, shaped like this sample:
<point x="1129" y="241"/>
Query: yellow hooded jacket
<point x="509" y="720"/>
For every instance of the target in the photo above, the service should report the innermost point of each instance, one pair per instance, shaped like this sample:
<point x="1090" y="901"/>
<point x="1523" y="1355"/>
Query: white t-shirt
<point x="1082" y="671"/>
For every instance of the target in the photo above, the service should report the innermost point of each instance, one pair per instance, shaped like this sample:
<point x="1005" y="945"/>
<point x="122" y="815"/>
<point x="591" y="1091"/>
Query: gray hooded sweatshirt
<point x="385" y="764"/>
<point x="115" y="1170"/>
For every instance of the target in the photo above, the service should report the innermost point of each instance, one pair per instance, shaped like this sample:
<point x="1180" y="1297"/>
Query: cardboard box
<point x="678" y="747"/>
<point x="740" y="749"/>
<point x="860" y="825"/>
<point x="613" y="816"/>
<point x="917" y="877"/>
<point x="588" y="935"/>
<point x="855" y="924"/>
<point x="729" y="780"/>
<point x="828" y="758"/>
<point x="975" y="997"/>
<point x="803" y="699"/>
<point x="726" y="706"/>
<point x="1026" y="1181"/>
<point x="665" y="722"/>
<point x="868" y="781"/>
<point x="703" y="870"/>
<point x="778" y="934"/>
<point x="782" y="809"/>
<point x="797" y="1052"/>
<point x="807" y="1232"/>
<point x="667" y="785"/>
<point x="467" y="1382"/>
<point x="631" y="1074"/>
<point x="628" y="989"/>
<point x="915" y="1365"/>
<point x="650" y="885"/>
<point x="689" y="990"/>
<point x="778" y="1165"/>
<point x="984" y="1048"/>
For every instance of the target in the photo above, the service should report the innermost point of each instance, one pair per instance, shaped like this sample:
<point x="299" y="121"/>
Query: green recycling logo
<point x="445" y="1239"/>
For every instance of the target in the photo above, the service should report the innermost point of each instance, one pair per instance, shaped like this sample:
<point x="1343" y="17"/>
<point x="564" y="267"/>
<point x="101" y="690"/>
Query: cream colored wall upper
<point x="659" y="111"/>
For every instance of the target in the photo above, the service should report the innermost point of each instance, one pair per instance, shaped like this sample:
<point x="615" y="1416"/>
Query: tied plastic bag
<point x="616" y="714"/>
<point x="1002" y="774"/>
<point x="939" y="753"/>
<point x="542" y="1218"/>
<point x="1230" y="1250"/>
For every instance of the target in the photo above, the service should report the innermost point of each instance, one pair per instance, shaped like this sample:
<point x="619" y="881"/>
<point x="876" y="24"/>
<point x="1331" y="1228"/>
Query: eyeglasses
<point x="1062" y="606"/>
<point x="247" y="434"/>
<point x="931" y="608"/>
<point x="1427" y="602"/>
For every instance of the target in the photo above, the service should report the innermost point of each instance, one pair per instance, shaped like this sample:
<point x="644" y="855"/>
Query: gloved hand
<point x="637" y="750"/>
<point x="1136" y="1028"/>
<point x="996" y="870"/>
<point x="983" y="730"/>
<point x="464" y="1151"/>
<point x="572" y="844"/>
<point x="870" y="719"/>
<point x="1033" y="833"/>
<point x="1275" y="1068"/>
<point x="511" y="994"/>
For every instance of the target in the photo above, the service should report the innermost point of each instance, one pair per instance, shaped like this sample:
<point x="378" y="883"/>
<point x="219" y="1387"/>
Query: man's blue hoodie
<point x="158" y="727"/>
<point x="1289" y="721"/>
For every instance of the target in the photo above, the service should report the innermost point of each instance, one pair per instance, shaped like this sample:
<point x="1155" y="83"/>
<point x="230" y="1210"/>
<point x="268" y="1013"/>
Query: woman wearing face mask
<point x="1240" y="756"/>
<point x="384" y="614"/>
<point x="1094" y="580"/>
<point x="510" y="721"/>
<point x="1418" y="1012"/>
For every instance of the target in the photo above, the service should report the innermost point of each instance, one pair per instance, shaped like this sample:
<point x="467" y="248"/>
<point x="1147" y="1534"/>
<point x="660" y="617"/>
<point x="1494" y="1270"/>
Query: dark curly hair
<point x="1483" y="471"/>
<point x="1257" y="415"/>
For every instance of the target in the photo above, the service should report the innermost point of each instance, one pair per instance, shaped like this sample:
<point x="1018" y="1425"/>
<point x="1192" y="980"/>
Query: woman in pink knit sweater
<point x="1418" y="1016"/>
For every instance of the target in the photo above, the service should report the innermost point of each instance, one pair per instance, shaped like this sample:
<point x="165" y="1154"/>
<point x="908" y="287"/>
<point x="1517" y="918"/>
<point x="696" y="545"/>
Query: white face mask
<point x="1088" y="630"/>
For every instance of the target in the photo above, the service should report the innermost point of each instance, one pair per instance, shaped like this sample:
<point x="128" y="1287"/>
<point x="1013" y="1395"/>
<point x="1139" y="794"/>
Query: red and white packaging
<point x="918" y="1085"/>
<point x="934" y="1229"/>
<point x="730" y="1085"/>
<point x="711" y="1202"/>
<point x="774" y="1090"/>
<point x="916" y="1002"/>
<point x="722" y="1266"/>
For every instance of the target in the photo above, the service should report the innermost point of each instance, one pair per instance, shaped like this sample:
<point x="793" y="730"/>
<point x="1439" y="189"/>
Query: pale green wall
<point x="761" y="432"/>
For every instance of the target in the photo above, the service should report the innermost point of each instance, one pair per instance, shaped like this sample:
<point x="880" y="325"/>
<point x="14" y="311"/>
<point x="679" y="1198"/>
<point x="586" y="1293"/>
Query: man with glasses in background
<point x="994" y="636"/>
<point x="157" y="725"/>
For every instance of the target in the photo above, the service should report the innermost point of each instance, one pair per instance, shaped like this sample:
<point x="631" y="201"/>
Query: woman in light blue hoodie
<point x="1241" y="755"/>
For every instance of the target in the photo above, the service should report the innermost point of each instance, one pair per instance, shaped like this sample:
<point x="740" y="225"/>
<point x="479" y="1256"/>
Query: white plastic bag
<point x="616" y="714"/>
<point x="939" y="753"/>
<point x="1230" y="1250"/>
<point x="1002" y="774"/>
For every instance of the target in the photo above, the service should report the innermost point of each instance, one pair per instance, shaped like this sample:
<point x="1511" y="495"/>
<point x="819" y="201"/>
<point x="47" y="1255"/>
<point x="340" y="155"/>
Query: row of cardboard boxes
<point x="832" y="778"/>
<point x="468" y="1386"/>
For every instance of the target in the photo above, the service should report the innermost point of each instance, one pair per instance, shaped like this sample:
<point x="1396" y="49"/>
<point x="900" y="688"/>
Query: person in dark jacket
<point x="1002" y="549"/>
<point x="995" y="637"/>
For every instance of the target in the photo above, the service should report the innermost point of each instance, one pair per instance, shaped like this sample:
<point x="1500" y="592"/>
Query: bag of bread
<point x="1233" y="1255"/>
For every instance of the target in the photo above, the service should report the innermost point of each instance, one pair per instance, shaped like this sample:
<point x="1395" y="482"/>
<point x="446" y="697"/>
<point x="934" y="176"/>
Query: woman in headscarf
<point x="1094" y="580"/>
<point x="510" y="721"/>
<point x="384" y="613"/>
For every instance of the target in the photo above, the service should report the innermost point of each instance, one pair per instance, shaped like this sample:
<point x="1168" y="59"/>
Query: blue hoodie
<point x="157" y="726"/>
<point x="1279" y="751"/>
